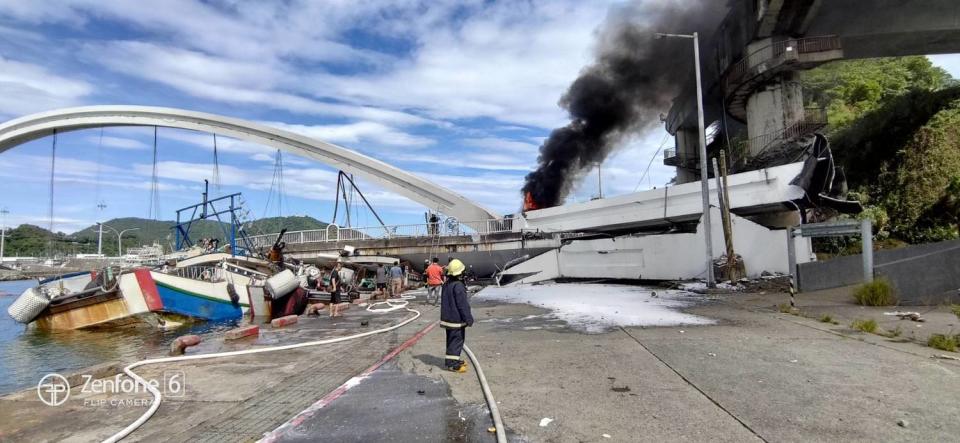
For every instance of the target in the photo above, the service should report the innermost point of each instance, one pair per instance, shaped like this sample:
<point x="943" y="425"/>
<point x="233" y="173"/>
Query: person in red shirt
<point x="434" y="281"/>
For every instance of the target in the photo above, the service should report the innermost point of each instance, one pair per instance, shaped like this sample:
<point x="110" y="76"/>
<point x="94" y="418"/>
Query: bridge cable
<point x="336" y="199"/>
<point x="276" y="182"/>
<point x="216" y="165"/>
<point x="96" y="197"/>
<point x="154" y="211"/>
<point x="53" y="169"/>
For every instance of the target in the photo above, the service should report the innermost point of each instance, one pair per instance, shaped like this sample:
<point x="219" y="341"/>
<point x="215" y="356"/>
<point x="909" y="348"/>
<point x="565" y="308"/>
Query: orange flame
<point x="529" y="204"/>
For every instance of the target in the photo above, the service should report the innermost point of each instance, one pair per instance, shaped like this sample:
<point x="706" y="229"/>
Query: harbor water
<point x="27" y="354"/>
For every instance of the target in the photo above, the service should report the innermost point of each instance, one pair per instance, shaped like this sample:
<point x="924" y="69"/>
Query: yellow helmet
<point x="455" y="267"/>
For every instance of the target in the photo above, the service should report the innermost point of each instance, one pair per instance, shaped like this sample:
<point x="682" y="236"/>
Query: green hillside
<point x="30" y="240"/>
<point x="895" y="132"/>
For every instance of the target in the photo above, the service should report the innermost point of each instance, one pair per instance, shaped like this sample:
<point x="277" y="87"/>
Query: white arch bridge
<point x="431" y="195"/>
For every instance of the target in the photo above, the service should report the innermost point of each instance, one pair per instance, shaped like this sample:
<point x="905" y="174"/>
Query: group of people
<point x="390" y="281"/>
<point x="447" y="282"/>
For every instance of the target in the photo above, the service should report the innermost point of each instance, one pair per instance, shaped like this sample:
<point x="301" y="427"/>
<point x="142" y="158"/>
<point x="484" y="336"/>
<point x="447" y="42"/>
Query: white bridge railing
<point x="333" y="233"/>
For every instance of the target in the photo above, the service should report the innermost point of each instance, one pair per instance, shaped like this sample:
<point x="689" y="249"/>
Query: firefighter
<point x="455" y="315"/>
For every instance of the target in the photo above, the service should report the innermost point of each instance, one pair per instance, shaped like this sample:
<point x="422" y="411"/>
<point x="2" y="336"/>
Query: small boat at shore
<point x="209" y="287"/>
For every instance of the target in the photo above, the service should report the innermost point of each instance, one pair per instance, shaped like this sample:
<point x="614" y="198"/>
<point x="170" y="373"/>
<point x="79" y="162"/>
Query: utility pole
<point x="3" y="231"/>
<point x="599" y="180"/>
<point x="702" y="139"/>
<point x="101" y="207"/>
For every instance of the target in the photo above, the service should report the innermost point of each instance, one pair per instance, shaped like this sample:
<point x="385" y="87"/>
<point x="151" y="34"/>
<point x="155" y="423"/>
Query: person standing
<point x="381" y="281"/>
<point x="434" y="275"/>
<point x="336" y="284"/>
<point x="455" y="316"/>
<point x="396" y="280"/>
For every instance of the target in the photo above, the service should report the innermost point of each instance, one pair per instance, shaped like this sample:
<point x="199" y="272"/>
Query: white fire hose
<point x="157" y="398"/>
<point x="393" y="305"/>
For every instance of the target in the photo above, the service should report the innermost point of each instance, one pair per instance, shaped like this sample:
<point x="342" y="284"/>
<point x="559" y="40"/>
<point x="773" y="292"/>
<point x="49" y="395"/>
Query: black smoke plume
<point x="633" y="79"/>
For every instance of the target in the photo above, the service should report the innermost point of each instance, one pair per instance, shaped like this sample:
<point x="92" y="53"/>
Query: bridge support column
<point x="688" y="151"/>
<point x="772" y="109"/>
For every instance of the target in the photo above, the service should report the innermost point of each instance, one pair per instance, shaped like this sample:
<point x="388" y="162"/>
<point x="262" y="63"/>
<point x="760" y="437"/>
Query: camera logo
<point x="53" y="389"/>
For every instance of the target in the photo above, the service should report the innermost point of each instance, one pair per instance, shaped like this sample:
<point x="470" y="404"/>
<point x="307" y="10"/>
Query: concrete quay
<point x="755" y="374"/>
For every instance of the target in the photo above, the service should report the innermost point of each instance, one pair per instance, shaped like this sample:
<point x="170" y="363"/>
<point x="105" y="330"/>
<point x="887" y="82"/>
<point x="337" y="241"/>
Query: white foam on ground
<point x="596" y="307"/>
<point x="702" y="286"/>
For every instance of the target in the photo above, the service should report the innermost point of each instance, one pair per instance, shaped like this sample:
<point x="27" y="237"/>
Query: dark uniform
<point x="335" y="283"/>
<point x="455" y="317"/>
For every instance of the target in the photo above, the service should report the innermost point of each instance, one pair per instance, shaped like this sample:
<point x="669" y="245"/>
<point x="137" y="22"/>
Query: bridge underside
<point x="760" y="46"/>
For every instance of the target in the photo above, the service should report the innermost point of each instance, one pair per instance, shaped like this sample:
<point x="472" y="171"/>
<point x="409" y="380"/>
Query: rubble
<point x="914" y="316"/>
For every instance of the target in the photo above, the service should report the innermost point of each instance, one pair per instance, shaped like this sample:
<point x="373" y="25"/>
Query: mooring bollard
<point x="245" y="331"/>
<point x="178" y="346"/>
<point x="284" y="321"/>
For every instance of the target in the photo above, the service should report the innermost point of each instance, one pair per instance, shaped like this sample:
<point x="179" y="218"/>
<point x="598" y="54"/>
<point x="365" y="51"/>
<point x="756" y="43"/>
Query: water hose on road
<point x="157" y="397"/>
<point x="487" y="394"/>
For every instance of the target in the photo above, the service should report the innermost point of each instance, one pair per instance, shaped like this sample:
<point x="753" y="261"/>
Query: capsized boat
<point x="209" y="287"/>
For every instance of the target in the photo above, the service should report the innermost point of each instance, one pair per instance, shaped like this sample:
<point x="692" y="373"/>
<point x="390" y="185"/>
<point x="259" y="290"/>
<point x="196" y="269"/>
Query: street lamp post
<point x="702" y="139"/>
<point x="3" y="231"/>
<point x="119" y="237"/>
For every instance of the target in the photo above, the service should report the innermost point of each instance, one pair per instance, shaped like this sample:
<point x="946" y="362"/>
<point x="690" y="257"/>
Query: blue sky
<point x="460" y="92"/>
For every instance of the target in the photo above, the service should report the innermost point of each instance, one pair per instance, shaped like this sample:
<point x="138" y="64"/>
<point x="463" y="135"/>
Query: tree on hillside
<point x="894" y="131"/>
<point x="848" y="89"/>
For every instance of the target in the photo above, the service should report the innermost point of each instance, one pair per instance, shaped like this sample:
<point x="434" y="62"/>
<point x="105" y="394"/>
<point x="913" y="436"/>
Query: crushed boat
<point x="195" y="282"/>
<point x="211" y="287"/>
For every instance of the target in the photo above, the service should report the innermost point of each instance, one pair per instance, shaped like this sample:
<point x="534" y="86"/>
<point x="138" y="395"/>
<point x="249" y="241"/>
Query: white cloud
<point x="501" y="144"/>
<point x="118" y="142"/>
<point x="354" y="133"/>
<point x="26" y="88"/>
<point x="227" y="80"/>
<point x="504" y="60"/>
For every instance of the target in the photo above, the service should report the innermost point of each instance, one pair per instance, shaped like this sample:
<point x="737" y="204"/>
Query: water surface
<point x="27" y="354"/>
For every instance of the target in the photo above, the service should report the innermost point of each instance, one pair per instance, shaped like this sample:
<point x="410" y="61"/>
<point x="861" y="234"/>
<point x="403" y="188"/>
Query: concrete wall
<point x="921" y="274"/>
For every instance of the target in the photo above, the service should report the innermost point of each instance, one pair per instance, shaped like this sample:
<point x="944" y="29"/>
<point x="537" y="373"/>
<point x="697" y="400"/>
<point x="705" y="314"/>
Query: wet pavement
<point x="235" y="399"/>
<point x="752" y="374"/>
<point x="392" y="405"/>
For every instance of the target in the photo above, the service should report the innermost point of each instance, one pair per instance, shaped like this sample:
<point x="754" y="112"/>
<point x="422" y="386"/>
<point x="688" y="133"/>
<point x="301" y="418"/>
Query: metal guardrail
<point x="205" y="273"/>
<point x="333" y="233"/>
<point x="779" y="52"/>
<point x="813" y="120"/>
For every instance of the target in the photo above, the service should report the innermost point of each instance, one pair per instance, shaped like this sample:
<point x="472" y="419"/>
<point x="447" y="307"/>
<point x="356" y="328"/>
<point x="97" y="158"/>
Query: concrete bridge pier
<point x="772" y="110"/>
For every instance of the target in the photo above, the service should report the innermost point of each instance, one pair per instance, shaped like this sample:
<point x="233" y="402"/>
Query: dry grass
<point x="876" y="293"/>
<point x="869" y="325"/>
<point x="943" y="342"/>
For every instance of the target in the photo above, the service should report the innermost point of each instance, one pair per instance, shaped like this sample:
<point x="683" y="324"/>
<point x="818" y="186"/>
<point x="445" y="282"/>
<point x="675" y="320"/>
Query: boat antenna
<point x="342" y="180"/>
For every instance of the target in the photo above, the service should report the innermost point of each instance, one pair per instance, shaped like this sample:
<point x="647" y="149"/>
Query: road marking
<point x="274" y="435"/>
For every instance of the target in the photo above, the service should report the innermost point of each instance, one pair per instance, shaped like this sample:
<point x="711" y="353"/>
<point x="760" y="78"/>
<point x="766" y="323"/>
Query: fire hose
<point x="157" y="397"/>
<point x="393" y="306"/>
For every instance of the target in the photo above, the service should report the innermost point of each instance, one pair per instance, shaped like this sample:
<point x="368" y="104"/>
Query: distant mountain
<point x="272" y="225"/>
<point x="30" y="240"/>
